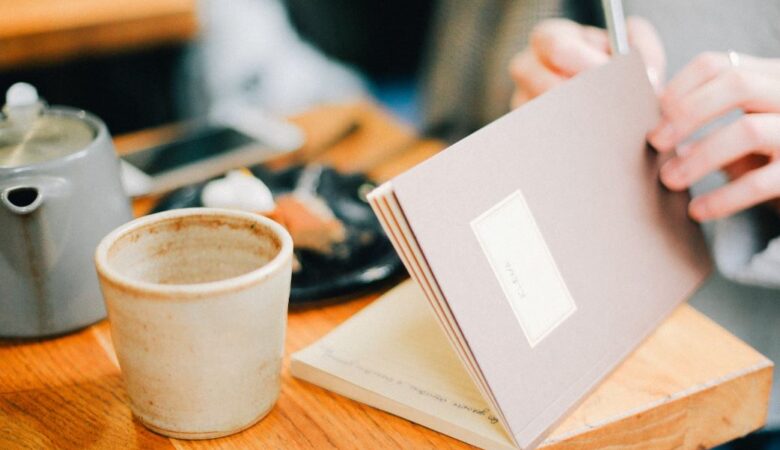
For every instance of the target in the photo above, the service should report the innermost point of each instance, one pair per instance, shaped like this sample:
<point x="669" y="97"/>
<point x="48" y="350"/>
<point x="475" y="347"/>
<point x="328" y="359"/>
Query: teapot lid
<point x="31" y="132"/>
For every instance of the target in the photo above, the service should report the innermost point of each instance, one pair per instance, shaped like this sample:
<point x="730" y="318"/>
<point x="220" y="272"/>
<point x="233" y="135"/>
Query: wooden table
<point x="690" y="385"/>
<point x="36" y="31"/>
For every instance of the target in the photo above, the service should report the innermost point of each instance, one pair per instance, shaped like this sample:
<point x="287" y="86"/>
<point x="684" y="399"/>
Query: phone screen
<point x="204" y="143"/>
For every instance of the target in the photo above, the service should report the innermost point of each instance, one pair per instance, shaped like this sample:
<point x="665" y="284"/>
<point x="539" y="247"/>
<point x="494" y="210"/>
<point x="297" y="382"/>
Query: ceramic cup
<point x="197" y="301"/>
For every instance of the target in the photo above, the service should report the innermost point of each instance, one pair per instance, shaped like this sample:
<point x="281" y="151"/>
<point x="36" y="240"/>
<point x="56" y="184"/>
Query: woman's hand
<point x="560" y="49"/>
<point x="748" y="150"/>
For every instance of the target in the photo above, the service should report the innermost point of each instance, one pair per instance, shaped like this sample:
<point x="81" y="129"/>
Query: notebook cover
<point x="553" y="242"/>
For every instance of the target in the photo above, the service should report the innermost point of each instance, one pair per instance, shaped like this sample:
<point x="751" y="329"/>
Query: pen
<point x="616" y="26"/>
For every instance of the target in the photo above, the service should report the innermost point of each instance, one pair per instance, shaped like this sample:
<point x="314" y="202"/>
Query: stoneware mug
<point x="197" y="301"/>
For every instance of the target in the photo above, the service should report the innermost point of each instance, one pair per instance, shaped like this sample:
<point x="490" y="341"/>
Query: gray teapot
<point x="60" y="193"/>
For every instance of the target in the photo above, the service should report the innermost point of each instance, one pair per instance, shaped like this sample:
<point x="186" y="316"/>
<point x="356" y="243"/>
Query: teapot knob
<point x="22" y="106"/>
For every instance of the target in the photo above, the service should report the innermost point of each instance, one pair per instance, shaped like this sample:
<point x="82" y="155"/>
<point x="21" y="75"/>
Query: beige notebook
<point x="545" y="245"/>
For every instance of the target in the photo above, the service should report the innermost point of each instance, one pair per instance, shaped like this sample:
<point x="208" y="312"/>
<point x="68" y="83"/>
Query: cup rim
<point x="193" y="290"/>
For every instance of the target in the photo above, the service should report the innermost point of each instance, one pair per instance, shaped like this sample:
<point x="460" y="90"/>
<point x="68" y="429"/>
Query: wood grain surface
<point x="690" y="385"/>
<point x="43" y="31"/>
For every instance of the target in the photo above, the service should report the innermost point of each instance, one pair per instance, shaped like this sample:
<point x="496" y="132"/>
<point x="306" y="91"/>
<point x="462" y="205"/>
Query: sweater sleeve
<point x="746" y="246"/>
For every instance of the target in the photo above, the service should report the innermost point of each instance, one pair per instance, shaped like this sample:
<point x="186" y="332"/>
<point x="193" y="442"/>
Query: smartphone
<point x="202" y="152"/>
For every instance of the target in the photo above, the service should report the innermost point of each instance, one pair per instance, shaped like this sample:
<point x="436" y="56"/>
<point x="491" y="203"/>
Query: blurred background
<point x="141" y="63"/>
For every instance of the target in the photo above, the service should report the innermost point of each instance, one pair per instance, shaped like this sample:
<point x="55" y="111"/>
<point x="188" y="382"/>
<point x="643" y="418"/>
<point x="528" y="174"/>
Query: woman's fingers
<point x="569" y="48"/>
<point x="518" y="98"/>
<point x="753" y="133"/>
<point x="563" y="47"/>
<point x="750" y="91"/>
<point x="531" y="76"/>
<point x="596" y="37"/>
<point x="643" y="36"/>
<point x="709" y="65"/>
<point x="748" y="149"/>
<point x="746" y="164"/>
<point x="560" y="49"/>
<point x="751" y="189"/>
<point x="702" y="69"/>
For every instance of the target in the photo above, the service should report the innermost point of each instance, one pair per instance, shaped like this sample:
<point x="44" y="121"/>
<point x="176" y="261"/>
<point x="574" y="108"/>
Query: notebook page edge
<point x="424" y="278"/>
<point x="387" y="219"/>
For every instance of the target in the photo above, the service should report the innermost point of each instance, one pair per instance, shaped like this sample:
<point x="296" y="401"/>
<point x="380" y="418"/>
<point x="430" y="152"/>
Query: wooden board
<point x="690" y="385"/>
<point x="42" y="31"/>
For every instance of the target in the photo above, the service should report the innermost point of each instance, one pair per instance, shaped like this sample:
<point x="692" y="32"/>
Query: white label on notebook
<point x="525" y="269"/>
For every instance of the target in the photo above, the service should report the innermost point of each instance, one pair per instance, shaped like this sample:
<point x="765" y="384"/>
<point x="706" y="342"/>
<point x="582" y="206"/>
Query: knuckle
<point x="559" y="48"/>
<point x="709" y="63"/>
<point x="759" y="185"/>
<point x="740" y="82"/>
<point x="702" y="158"/>
<point x="544" y="31"/>
<point x="751" y="129"/>
<point x="679" y="112"/>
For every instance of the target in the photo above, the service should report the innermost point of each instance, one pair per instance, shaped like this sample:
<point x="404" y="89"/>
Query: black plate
<point x="365" y="262"/>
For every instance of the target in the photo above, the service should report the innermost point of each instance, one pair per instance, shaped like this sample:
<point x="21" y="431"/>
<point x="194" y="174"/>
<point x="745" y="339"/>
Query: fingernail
<point x="698" y="210"/>
<point x="655" y="79"/>
<point x="666" y="100"/>
<point x="662" y="136"/>
<point x="671" y="176"/>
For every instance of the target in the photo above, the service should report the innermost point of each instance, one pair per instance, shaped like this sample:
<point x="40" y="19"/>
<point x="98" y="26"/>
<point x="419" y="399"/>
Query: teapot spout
<point x="21" y="200"/>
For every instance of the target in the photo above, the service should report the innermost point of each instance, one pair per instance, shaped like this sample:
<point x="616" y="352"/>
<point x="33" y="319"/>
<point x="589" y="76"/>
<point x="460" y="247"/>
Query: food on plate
<point x="239" y="189"/>
<point x="306" y="216"/>
<point x="310" y="221"/>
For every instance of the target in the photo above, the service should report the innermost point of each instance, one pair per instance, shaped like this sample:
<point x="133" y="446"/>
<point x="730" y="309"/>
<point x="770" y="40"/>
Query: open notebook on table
<point x="545" y="245"/>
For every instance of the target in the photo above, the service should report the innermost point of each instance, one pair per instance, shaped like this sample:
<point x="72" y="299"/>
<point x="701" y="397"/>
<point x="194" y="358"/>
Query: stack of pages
<point x="394" y="356"/>
<point x="546" y="249"/>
